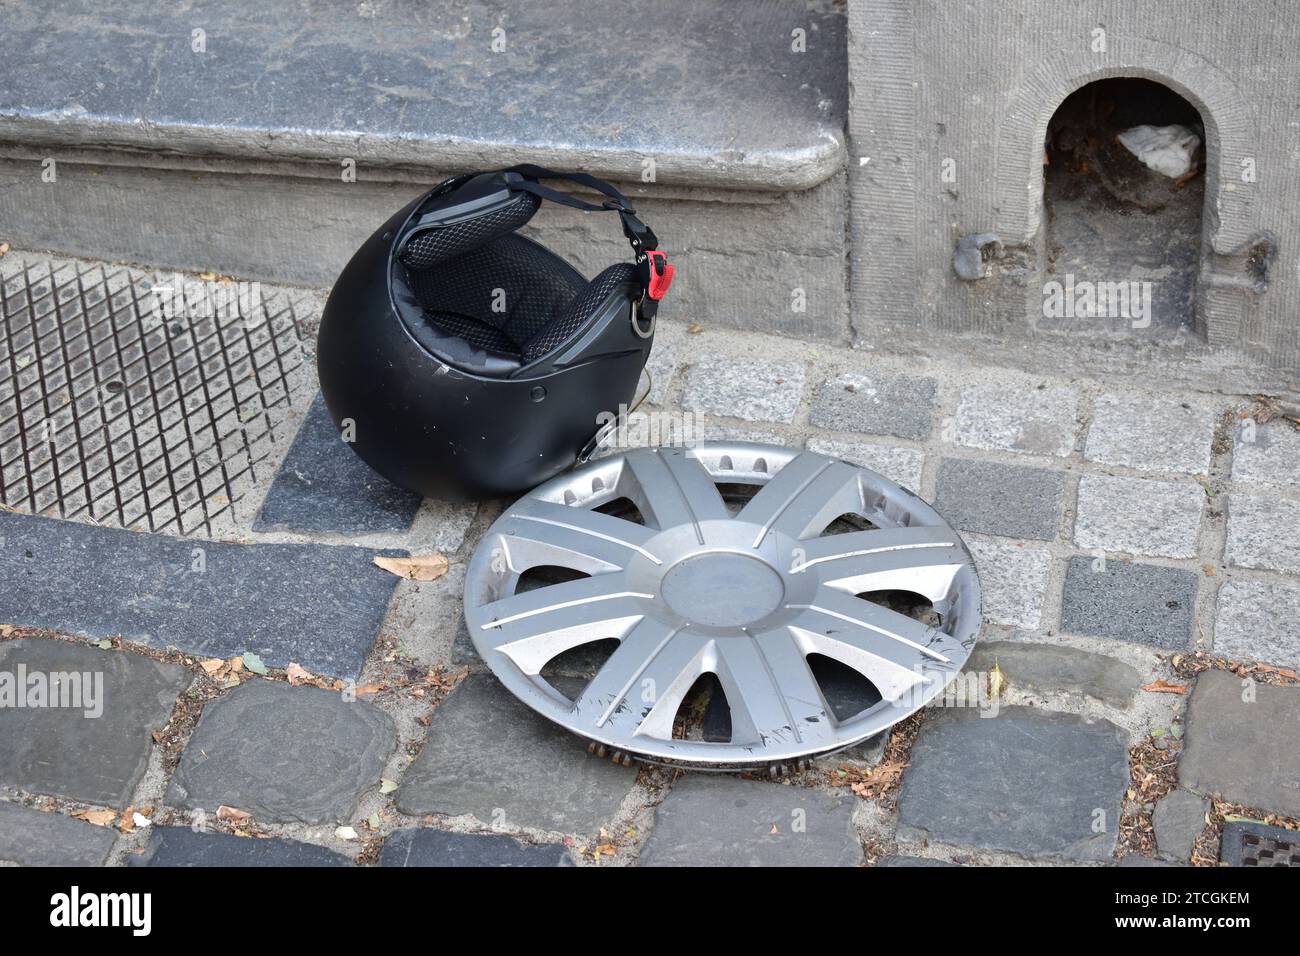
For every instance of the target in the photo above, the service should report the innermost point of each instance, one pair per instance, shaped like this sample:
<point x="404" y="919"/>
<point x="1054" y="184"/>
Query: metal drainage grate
<point x="645" y="549"/>
<point x="142" y="401"/>
<point x="1258" y="844"/>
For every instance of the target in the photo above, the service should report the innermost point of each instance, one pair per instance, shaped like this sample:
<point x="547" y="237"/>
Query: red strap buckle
<point x="661" y="274"/>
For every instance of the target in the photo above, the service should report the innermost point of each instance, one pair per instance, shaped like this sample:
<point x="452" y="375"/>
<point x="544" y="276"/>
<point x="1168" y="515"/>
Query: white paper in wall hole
<point x="1170" y="150"/>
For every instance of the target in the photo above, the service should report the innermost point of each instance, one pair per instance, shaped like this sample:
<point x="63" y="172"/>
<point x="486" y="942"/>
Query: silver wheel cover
<point x="745" y="594"/>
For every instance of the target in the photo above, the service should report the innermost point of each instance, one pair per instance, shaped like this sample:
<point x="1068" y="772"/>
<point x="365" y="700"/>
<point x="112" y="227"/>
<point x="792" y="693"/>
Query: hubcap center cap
<point x="723" y="590"/>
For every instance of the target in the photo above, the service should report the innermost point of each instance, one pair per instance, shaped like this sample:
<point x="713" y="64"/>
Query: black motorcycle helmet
<point x="461" y="360"/>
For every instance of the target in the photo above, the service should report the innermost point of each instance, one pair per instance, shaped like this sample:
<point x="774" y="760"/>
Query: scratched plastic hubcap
<point x="701" y="577"/>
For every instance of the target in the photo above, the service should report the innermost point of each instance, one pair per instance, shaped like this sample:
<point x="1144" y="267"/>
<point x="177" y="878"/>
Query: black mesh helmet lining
<point x="428" y="248"/>
<point x="511" y="298"/>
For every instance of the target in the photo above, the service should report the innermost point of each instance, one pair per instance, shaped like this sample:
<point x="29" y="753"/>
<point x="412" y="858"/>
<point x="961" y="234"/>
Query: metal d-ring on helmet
<point x="462" y="360"/>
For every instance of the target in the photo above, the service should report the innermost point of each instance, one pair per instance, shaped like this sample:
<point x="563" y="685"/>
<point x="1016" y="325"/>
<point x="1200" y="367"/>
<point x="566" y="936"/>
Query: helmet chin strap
<point x="653" y="269"/>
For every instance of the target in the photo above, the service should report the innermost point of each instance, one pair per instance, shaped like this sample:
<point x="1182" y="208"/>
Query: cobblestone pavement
<point x="1137" y="551"/>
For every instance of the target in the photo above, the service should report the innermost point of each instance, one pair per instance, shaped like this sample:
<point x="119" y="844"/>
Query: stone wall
<point x="975" y="84"/>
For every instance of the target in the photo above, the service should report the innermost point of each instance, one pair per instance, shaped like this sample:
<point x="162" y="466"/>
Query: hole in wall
<point x="1122" y="239"/>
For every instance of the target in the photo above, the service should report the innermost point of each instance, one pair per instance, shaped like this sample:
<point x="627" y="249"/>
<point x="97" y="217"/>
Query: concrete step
<point x="266" y="143"/>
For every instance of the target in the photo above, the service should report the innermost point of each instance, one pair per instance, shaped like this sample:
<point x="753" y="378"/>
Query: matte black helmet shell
<point x="461" y="360"/>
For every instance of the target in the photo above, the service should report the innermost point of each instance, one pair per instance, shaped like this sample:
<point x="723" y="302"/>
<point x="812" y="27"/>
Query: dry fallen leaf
<point x="368" y="689"/>
<point x="231" y="815"/>
<point x="418" y="567"/>
<point x="212" y="666"/>
<point x="997" y="682"/>
<point x="1279" y="671"/>
<point x="100" y="818"/>
<point x="605" y="849"/>
<point x="1162" y="686"/>
<point x="694" y="328"/>
<point x="236" y="664"/>
<point x="298" y="674"/>
<point x="4" y="247"/>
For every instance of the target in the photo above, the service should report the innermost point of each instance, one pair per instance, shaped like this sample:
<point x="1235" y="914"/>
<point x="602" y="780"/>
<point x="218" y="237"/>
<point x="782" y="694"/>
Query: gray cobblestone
<point x="182" y="847"/>
<point x="1018" y="416"/>
<point x="753" y="390"/>
<point x="1138" y="516"/>
<point x="717" y="820"/>
<point x="1179" y="819"/>
<point x="1013" y="582"/>
<point x="1263" y="533"/>
<point x="1149" y="433"/>
<point x="1271" y="457"/>
<point x="70" y="751"/>
<point x="35" y="838"/>
<point x="1257" y="622"/>
<point x="876" y="403"/>
<point x="1013" y="501"/>
<point x="323" y="486"/>
<point x="902" y="466"/>
<point x="1131" y="602"/>
<point x="969" y="777"/>
<point x="285" y="754"/>
<point x="425" y="846"/>
<point x="491" y="756"/>
<point x="1241" y="746"/>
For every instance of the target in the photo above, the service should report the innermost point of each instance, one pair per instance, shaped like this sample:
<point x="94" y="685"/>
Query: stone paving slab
<point x="285" y="754"/>
<point x="431" y="847"/>
<point x="1257" y="622"/>
<point x="1148" y="433"/>
<point x="61" y="750"/>
<point x="1018" y="416"/>
<point x="1013" y="582"/>
<point x="1131" y="602"/>
<point x="756" y="391"/>
<point x="1026" y="781"/>
<point x="181" y="846"/>
<point x="34" y="838"/>
<point x="892" y="861"/>
<point x="1263" y="533"/>
<point x="720" y="820"/>
<point x="1178" y="819"/>
<point x="1054" y="669"/>
<point x="488" y="755"/>
<point x="1138" y="516"/>
<point x="1246" y="843"/>
<point x="992" y="498"/>
<point x="903" y="466"/>
<point x="1268" y="454"/>
<point x="324" y="487"/>
<point x="877" y="403"/>
<point x="317" y="605"/>
<point x="1243" y="750"/>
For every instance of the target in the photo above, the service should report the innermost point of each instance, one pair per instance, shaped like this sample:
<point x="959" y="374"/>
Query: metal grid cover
<point x="1257" y="844"/>
<point x="144" y="401"/>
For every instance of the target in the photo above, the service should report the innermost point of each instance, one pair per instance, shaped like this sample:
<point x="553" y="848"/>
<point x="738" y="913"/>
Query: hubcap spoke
<point x="893" y="651"/>
<point x="921" y="559"/>
<point x="532" y="627"/>
<point x="641" y="685"/>
<point x="771" y="691"/>
<point x="804" y="497"/>
<point x="542" y="532"/>
<point x="675" y="487"/>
